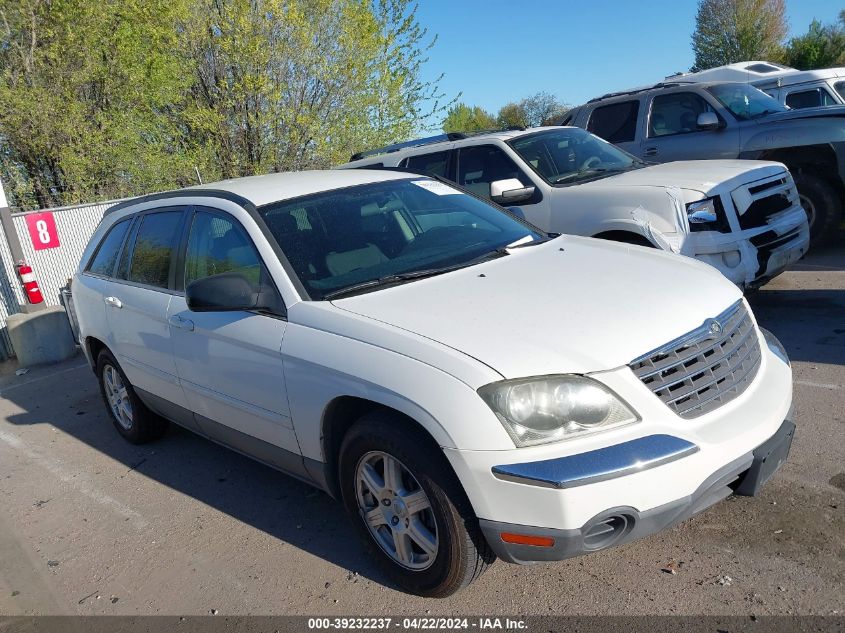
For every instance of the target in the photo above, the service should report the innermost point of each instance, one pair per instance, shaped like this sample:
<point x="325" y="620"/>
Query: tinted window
<point x="431" y="164"/>
<point x="479" y="166"/>
<point x="217" y="245"/>
<point x="337" y="239"/>
<point x="616" y="123"/>
<point x="103" y="262"/>
<point x="840" y="88"/>
<point x="809" y="99"/>
<point x="676" y="113"/>
<point x="157" y="236"/>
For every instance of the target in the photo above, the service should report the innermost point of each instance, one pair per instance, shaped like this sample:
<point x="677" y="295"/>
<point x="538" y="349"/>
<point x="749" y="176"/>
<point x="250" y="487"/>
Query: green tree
<point x="512" y="115"/>
<point x="109" y="99"/>
<point x="728" y="31"/>
<point x="822" y="46"/>
<point x="543" y="109"/>
<point x="463" y="118"/>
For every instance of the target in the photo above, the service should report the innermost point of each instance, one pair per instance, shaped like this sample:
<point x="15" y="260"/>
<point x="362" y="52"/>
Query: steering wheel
<point x="592" y="161"/>
<point x="427" y="238"/>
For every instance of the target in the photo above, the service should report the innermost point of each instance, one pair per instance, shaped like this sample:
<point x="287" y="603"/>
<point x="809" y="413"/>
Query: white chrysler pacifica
<point x="468" y="386"/>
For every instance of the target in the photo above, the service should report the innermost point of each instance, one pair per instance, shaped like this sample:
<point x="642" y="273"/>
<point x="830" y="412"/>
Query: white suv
<point x="742" y="217"/>
<point x="466" y="385"/>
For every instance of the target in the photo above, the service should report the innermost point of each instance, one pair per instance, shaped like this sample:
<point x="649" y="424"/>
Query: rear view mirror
<point x="509" y="191"/>
<point x="222" y="293"/>
<point x="707" y="121"/>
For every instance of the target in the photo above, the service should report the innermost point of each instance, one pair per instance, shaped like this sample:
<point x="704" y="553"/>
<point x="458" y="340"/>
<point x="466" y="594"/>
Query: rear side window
<point x="428" y="164"/>
<point x="616" y="123"/>
<point x="103" y="262"/>
<point x="157" y="238"/>
<point x="809" y="99"/>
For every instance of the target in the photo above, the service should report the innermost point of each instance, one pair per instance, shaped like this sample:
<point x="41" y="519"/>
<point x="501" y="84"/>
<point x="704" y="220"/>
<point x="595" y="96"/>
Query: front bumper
<point x="614" y="526"/>
<point x="752" y="257"/>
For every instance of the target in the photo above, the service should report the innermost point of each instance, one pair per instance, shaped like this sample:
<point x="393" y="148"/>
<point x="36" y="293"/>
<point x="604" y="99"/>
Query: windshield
<point x="367" y="233"/>
<point x="745" y="102"/>
<point x="568" y="155"/>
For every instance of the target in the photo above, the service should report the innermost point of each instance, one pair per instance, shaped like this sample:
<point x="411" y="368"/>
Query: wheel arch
<point x="341" y="414"/>
<point x="819" y="159"/>
<point x="93" y="347"/>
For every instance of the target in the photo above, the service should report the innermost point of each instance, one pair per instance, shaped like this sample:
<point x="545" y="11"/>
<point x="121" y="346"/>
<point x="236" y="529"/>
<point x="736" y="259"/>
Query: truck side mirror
<point x="708" y="121"/>
<point x="509" y="191"/>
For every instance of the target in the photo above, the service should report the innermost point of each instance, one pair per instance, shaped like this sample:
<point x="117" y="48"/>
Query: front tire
<point x="132" y="419"/>
<point x="822" y="206"/>
<point x="409" y="508"/>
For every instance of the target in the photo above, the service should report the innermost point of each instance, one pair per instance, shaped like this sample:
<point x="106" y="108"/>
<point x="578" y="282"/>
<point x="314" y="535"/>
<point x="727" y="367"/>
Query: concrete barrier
<point x="41" y="337"/>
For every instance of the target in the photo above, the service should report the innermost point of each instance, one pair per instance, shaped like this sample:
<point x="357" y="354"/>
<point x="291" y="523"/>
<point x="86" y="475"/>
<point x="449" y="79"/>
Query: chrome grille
<point x="705" y="368"/>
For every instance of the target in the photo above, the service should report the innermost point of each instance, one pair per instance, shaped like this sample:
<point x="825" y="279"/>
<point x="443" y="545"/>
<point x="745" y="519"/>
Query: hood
<point x="571" y="305"/>
<point x="803" y="113"/>
<point x="703" y="176"/>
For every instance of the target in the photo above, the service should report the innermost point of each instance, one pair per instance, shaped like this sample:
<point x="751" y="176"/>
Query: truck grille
<point x="706" y="368"/>
<point x="756" y="204"/>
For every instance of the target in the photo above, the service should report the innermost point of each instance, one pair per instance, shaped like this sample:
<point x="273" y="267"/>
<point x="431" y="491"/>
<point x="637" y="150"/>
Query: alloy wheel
<point x="118" y="397"/>
<point x="396" y="510"/>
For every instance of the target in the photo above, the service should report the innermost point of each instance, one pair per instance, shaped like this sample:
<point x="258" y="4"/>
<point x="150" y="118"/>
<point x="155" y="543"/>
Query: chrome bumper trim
<point x="598" y="465"/>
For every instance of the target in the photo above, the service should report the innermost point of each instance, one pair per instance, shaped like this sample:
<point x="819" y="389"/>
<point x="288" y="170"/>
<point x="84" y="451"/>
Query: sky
<point x="497" y="51"/>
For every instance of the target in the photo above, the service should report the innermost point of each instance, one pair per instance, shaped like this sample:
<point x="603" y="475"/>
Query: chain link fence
<point x="52" y="266"/>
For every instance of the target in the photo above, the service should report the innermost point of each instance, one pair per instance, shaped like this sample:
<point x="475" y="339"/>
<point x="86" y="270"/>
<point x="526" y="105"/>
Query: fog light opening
<point x="607" y="531"/>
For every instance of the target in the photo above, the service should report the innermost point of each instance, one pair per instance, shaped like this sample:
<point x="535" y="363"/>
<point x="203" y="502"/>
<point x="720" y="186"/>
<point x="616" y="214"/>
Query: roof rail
<point x="439" y="138"/>
<point x="633" y="91"/>
<point x="428" y="140"/>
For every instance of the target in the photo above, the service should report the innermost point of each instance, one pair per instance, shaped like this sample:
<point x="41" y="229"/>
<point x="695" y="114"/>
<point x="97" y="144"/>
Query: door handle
<point x="651" y="151"/>
<point x="114" y="302"/>
<point x="182" y="324"/>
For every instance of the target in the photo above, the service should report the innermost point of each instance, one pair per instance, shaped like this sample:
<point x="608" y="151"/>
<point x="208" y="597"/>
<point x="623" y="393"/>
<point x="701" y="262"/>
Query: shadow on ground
<point x="291" y="511"/>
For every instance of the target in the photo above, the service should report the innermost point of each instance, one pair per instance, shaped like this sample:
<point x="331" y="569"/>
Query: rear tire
<point x="822" y="206"/>
<point x="131" y="417"/>
<point x="431" y="545"/>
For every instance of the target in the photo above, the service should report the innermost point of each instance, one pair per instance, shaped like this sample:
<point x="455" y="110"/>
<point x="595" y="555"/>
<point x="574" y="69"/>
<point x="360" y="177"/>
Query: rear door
<point x="136" y="303"/>
<point x="230" y="363"/>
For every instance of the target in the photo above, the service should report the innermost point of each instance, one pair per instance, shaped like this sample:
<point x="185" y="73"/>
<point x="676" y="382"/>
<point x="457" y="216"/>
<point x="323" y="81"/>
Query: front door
<point x="230" y="363"/>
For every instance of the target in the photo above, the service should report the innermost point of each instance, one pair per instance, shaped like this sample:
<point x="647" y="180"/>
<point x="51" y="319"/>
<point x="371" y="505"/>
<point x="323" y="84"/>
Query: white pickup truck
<point x="742" y="217"/>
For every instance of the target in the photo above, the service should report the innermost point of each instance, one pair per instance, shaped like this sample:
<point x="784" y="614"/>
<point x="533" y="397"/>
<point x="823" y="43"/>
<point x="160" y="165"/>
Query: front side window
<point x="818" y="97"/>
<point x="480" y="165"/>
<point x="156" y="239"/>
<point x="429" y="164"/>
<point x="218" y="245"/>
<point x="103" y="262"/>
<point x="676" y="113"/>
<point x="616" y="123"/>
<point x="569" y="155"/>
<point x="745" y="102"/>
<point x="840" y="88"/>
<point x="389" y="231"/>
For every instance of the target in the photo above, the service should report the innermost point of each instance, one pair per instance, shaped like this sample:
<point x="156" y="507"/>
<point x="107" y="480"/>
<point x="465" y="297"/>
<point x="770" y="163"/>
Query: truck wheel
<point x="409" y="508"/>
<point x="822" y="205"/>
<point x="132" y="419"/>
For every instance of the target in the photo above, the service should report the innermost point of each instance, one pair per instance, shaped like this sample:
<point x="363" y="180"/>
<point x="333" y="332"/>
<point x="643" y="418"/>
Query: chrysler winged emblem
<point x="714" y="328"/>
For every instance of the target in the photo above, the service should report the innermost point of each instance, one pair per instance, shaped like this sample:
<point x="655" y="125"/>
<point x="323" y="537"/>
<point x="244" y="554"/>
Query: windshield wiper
<point x="594" y="170"/>
<point x="395" y="279"/>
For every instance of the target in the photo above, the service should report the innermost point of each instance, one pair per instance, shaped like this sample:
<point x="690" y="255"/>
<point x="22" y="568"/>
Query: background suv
<point x="742" y="217"/>
<point x="682" y="120"/>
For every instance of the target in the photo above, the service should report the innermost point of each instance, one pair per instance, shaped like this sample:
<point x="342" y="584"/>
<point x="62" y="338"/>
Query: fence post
<point x="14" y="245"/>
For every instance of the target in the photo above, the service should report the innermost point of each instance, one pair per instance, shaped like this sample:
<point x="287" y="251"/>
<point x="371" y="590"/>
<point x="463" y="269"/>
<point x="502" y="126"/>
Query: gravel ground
<point x="92" y="525"/>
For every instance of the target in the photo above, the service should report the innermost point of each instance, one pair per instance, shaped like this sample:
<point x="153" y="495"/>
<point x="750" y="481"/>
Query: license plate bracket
<point x="768" y="458"/>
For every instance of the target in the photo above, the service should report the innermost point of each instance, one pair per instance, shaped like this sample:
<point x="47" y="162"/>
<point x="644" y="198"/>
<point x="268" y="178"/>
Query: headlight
<point x="705" y="215"/>
<point x="552" y="408"/>
<point x="776" y="346"/>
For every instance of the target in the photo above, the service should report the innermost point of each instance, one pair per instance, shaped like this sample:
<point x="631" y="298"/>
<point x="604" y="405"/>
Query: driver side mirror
<point x="509" y="191"/>
<point x="708" y="121"/>
<point x="226" y="292"/>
